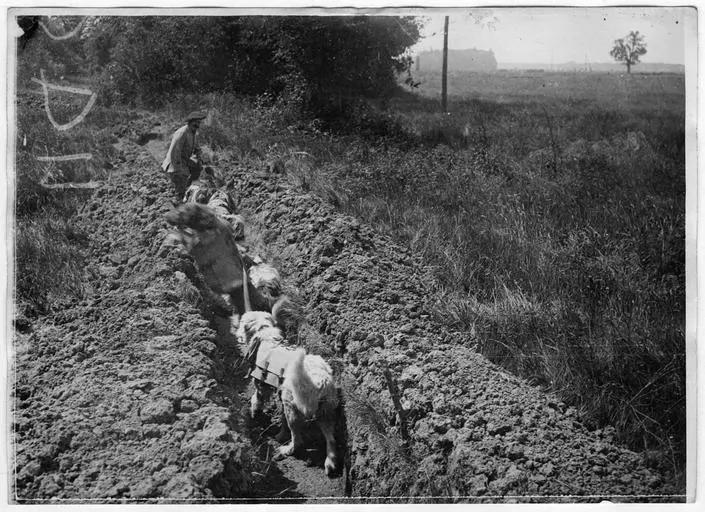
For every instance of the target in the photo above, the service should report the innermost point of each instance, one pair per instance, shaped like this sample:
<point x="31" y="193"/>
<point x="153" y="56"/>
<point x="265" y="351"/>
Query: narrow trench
<point x="295" y="479"/>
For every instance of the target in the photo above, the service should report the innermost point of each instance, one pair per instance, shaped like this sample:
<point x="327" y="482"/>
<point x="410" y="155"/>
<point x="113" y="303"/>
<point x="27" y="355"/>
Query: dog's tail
<point x="303" y="389"/>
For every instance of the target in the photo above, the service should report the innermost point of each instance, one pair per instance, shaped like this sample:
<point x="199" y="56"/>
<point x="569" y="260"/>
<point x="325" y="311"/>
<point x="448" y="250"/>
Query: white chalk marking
<point x="62" y="127"/>
<point x="65" y="158"/>
<point x="75" y="90"/>
<point x="68" y="35"/>
<point x="87" y="184"/>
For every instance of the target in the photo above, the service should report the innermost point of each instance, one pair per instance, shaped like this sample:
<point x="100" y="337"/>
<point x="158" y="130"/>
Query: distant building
<point x="458" y="60"/>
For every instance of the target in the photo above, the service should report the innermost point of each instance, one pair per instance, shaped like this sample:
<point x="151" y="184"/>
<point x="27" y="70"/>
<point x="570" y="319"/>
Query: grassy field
<point x="557" y="224"/>
<point x="551" y="205"/>
<point x="638" y="91"/>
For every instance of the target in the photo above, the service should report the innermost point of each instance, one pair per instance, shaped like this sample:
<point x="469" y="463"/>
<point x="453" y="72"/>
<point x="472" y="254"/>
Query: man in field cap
<point x="183" y="162"/>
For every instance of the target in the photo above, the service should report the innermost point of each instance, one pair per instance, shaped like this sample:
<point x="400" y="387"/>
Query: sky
<point x="556" y="35"/>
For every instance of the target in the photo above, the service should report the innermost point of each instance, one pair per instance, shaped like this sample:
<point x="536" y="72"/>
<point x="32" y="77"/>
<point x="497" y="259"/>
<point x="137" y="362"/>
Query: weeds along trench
<point x="427" y="416"/>
<point x="135" y="392"/>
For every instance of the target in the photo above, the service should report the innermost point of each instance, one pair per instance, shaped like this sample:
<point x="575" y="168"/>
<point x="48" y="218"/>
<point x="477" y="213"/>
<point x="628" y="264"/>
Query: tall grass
<point x="555" y="222"/>
<point x="48" y="244"/>
<point x="48" y="263"/>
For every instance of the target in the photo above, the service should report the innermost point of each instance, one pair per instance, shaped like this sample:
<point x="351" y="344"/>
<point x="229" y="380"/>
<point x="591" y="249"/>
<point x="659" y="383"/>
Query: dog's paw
<point x="331" y="467"/>
<point x="286" y="450"/>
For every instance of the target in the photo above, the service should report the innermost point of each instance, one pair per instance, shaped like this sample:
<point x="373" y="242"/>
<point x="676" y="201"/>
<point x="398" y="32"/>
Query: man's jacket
<point x="183" y="145"/>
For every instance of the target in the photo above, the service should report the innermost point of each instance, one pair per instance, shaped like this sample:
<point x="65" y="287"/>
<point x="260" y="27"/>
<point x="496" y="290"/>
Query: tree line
<point x="148" y="57"/>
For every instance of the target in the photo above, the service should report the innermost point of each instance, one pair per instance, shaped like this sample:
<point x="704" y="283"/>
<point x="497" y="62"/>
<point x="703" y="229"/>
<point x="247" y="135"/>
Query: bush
<point x="308" y="56"/>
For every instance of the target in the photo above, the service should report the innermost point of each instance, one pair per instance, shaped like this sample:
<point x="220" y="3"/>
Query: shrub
<point x="306" y="56"/>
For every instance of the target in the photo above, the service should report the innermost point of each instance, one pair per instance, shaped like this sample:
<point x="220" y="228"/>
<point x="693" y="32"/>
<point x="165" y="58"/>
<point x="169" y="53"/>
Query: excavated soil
<point x="136" y="392"/>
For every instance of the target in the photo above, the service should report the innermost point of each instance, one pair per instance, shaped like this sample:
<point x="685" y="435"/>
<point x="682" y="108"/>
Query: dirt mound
<point x="475" y="430"/>
<point x="122" y="394"/>
<point x="136" y="392"/>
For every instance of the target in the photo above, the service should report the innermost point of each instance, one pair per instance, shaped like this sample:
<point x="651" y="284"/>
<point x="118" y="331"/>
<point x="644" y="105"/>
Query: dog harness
<point x="268" y="360"/>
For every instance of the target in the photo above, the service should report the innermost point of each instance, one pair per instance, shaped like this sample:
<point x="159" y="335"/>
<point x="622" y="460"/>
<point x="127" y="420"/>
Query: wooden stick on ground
<point x="394" y="393"/>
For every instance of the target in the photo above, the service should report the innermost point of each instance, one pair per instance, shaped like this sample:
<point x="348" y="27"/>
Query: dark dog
<point x="210" y="240"/>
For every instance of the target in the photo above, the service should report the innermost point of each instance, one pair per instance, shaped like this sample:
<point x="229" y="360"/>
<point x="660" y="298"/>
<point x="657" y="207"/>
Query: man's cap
<point x="196" y="116"/>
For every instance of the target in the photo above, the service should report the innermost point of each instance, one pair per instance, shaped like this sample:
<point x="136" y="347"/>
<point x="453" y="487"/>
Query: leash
<point x="245" y="290"/>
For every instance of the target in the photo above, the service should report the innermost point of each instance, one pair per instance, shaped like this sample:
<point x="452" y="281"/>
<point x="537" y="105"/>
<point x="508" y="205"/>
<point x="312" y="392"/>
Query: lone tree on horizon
<point x="629" y="49"/>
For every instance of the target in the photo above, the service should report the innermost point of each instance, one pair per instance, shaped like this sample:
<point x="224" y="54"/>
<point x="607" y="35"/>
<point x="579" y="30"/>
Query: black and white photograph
<point x="303" y="255"/>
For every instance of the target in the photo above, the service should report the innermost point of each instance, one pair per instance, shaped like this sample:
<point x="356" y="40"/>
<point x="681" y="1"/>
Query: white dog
<point x="211" y="242"/>
<point x="309" y="392"/>
<point x="250" y="323"/>
<point x="305" y="383"/>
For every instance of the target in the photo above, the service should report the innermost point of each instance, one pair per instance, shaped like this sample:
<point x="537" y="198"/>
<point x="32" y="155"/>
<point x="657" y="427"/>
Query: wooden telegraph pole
<point x="444" y="78"/>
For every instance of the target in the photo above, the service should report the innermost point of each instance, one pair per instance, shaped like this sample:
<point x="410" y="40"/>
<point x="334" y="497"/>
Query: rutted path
<point x="134" y="392"/>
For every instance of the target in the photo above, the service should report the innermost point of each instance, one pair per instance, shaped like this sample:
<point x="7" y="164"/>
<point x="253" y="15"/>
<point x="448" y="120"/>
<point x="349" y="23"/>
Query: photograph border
<point x="694" y="193"/>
